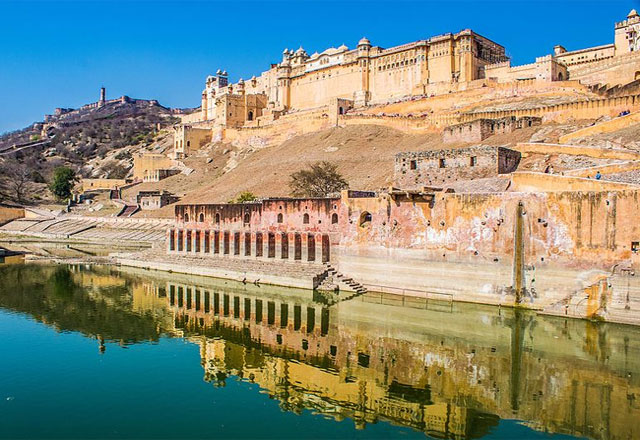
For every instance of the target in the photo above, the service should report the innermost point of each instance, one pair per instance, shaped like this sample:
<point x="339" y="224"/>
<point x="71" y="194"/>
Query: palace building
<point x="369" y="74"/>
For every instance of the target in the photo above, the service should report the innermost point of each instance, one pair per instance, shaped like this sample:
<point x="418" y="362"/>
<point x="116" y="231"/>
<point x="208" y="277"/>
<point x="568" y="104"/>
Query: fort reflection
<point x="450" y="371"/>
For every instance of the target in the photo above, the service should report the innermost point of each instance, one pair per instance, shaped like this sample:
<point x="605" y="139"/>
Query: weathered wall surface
<point x="145" y="165"/>
<point x="8" y="213"/>
<point x="466" y="241"/>
<point x="440" y="167"/>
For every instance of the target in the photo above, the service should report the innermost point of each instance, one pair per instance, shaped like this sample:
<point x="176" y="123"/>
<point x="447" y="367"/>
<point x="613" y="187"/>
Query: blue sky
<point x="58" y="54"/>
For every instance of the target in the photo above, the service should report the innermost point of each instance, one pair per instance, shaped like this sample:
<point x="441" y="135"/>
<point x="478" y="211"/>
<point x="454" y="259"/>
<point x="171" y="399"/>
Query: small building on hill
<point x="441" y="167"/>
<point x="149" y="200"/>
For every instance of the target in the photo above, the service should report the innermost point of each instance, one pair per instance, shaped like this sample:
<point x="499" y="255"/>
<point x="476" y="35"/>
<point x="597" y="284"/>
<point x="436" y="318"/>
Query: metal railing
<point x="410" y="297"/>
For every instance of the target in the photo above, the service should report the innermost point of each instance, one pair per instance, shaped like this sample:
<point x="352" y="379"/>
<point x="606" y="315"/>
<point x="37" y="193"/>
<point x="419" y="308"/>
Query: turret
<point x="103" y="95"/>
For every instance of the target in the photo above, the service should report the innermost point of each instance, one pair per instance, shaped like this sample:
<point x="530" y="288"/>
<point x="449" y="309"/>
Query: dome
<point x="300" y="51"/>
<point x="343" y="47"/>
<point x="285" y="51"/>
<point x="632" y="13"/>
<point x="364" y="42"/>
<point x="218" y="72"/>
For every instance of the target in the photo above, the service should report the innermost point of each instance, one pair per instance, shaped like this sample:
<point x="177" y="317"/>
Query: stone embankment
<point x="257" y="271"/>
<point x="90" y="230"/>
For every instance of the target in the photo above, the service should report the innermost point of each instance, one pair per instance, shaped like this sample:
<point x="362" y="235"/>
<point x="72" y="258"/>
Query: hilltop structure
<point x="369" y="74"/>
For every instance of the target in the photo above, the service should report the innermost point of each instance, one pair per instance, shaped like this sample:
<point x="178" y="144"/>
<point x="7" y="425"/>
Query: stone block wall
<point x="440" y="167"/>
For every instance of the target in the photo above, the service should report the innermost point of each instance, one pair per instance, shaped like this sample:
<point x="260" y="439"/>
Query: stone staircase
<point x="330" y="280"/>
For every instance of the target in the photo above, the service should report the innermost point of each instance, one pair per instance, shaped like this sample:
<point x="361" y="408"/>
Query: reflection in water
<point x="448" y="374"/>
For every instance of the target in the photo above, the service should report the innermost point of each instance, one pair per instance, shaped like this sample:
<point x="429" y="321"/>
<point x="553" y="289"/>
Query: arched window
<point x="280" y="218"/>
<point x="560" y="77"/>
<point x="218" y="218"/>
<point x="247" y="218"/>
<point x="201" y="218"/>
<point x="305" y="219"/>
<point x="334" y="218"/>
<point x="341" y="110"/>
<point x="250" y="116"/>
<point x="365" y="219"/>
<point x="188" y="143"/>
<point x="186" y="217"/>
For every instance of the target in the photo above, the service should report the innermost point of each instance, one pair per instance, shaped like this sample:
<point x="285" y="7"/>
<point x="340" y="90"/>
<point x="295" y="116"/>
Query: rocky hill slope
<point x="95" y="142"/>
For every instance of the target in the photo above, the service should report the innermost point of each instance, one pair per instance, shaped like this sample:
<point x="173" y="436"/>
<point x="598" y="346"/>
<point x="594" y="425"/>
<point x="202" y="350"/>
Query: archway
<point x="560" y="76"/>
<point x="250" y="116"/>
<point x="365" y="219"/>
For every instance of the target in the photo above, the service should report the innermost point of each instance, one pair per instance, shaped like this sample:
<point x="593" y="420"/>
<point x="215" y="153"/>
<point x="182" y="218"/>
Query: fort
<point x="338" y="80"/>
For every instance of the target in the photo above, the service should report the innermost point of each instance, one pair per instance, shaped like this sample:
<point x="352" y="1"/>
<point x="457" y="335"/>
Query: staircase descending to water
<point x="337" y="287"/>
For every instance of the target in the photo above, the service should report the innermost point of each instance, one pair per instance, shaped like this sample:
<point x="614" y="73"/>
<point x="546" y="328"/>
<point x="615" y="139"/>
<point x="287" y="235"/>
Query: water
<point x="107" y="353"/>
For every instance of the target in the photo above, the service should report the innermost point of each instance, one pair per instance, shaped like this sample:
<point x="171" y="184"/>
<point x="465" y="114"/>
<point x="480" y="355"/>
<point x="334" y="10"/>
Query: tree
<point x="319" y="180"/>
<point x="244" y="196"/>
<point x="62" y="183"/>
<point x="15" y="180"/>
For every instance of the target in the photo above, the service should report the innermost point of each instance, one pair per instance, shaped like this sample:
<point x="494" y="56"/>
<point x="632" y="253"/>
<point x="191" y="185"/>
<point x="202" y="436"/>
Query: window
<point x="247" y="218"/>
<point x="442" y="163"/>
<point x="280" y="218"/>
<point x="188" y="143"/>
<point x="305" y="219"/>
<point x="201" y="218"/>
<point x="413" y="164"/>
<point x="218" y="218"/>
<point x="334" y="218"/>
<point x="186" y="218"/>
<point x="473" y="161"/>
<point x="635" y="246"/>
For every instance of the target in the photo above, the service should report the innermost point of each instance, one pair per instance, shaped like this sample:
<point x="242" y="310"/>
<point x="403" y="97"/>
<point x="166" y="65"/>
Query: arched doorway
<point x="250" y="116"/>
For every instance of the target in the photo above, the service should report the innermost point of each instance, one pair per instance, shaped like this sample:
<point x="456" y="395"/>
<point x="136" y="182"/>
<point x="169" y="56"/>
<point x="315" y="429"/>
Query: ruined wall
<point x="284" y="214"/>
<point x="440" y="167"/>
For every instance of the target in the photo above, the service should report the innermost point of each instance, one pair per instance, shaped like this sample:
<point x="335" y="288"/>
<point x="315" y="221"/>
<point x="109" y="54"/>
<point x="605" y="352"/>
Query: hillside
<point x="364" y="155"/>
<point x="95" y="142"/>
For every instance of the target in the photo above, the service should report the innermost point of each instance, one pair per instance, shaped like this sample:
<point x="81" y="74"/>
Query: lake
<point x="106" y="352"/>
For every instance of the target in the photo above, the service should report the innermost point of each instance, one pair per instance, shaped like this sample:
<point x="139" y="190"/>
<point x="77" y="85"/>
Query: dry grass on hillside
<point x="364" y="154"/>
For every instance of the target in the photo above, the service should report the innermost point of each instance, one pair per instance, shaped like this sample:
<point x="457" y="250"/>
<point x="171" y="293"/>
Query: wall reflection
<point x="450" y="372"/>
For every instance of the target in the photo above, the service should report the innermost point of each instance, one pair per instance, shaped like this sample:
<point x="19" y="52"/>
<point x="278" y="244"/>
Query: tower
<point x="102" y="97"/>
